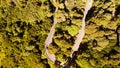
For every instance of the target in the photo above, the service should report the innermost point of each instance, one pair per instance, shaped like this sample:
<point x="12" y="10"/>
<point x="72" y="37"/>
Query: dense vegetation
<point x="25" y="24"/>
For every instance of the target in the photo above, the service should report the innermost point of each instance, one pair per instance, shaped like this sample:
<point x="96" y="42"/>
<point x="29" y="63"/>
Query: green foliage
<point x="90" y="29"/>
<point x="25" y="24"/>
<point x="83" y="63"/>
<point x="72" y="30"/>
<point x="60" y="16"/>
<point x="2" y="56"/>
<point x="64" y="46"/>
<point x="111" y="44"/>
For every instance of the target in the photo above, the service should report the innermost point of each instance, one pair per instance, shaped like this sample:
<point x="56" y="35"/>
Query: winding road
<point x="80" y="35"/>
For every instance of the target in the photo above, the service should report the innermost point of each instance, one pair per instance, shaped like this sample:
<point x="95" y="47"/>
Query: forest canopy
<point x="25" y="25"/>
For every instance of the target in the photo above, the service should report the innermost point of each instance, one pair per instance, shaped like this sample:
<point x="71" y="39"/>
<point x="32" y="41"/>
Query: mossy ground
<point x="25" y="24"/>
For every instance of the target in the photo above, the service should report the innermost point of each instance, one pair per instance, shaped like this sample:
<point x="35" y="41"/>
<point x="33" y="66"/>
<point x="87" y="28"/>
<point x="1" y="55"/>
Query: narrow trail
<point x="48" y="41"/>
<point x="82" y="30"/>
